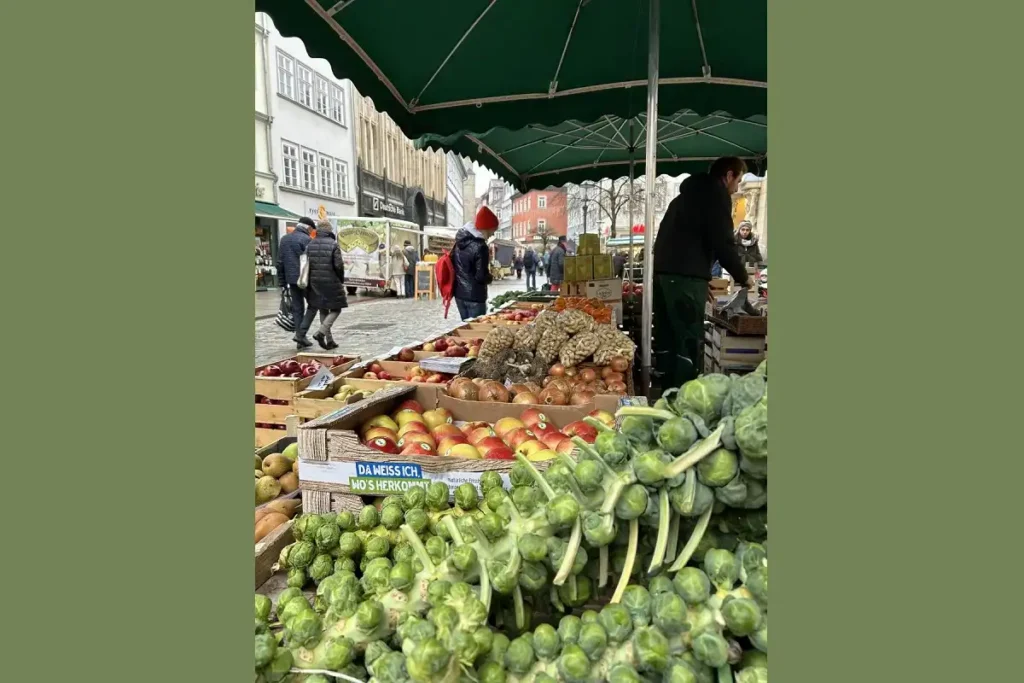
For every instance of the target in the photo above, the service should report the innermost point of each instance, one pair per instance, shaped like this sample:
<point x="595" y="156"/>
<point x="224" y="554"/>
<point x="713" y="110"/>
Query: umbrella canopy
<point x="537" y="156"/>
<point x="443" y="67"/>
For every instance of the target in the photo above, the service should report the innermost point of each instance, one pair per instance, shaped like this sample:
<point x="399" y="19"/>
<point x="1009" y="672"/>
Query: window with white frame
<point x="308" y="170"/>
<point x="341" y="173"/>
<point x="290" y="154"/>
<point x="337" y="104"/>
<point x="542" y="202"/>
<point x="322" y="96"/>
<point x="326" y="175"/>
<point x="542" y="225"/>
<point x="285" y="75"/>
<point x="304" y="85"/>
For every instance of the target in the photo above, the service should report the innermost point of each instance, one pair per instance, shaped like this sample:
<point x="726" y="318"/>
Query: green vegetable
<point x="718" y="469"/>
<point x="263" y="606"/>
<point x="751" y="431"/>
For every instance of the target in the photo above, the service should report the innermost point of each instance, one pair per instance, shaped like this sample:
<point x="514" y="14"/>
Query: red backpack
<point x="444" y="273"/>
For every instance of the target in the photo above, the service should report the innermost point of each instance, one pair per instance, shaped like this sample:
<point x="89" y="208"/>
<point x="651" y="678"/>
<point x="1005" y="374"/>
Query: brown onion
<point x="614" y="377"/>
<point x="580" y="398"/>
<point x="465" y="391"/>
<point x="533" y="387"/>
<point x="571" y="371"/>
<point x="518" y="388"/>
<point x="553" y="396"/>
<point x="618" y="363"/>
<point x="547" y="380"/>
<point x="526" y="397"/>
<point x="557" y="370"/>
<point x="606" y="370"/>
<point x="617" y="387"/>
<point x="588" y="374"/>
<point x="562" y="384"/>
<point x="479" y="381"/>
<point x="494" y="392"/>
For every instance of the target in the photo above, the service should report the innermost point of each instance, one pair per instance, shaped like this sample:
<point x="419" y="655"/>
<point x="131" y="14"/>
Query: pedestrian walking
<point x="530" y="265"/>
<point x="518" y="264"/>
<point x="695" y="232"/>
<point x="411" y="258"/>
<point x="471" y="259"/>
<point x="326" y="290"/>
<point x="289" y="250"/>
<point x="556" y="263"/>
<point x="619" y="263"/>
<point x="547" y="264"/>
<point x="397" y="278"/>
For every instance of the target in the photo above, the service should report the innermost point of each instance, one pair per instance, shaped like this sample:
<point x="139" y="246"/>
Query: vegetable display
<point x="551" y="579"/>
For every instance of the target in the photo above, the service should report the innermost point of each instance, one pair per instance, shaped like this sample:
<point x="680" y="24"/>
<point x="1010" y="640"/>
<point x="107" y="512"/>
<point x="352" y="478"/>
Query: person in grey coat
<point x="288" y="252"/>
<point x="326" y="290"/>
<point x="411" y="258"/>
<point x="556" y="268"/>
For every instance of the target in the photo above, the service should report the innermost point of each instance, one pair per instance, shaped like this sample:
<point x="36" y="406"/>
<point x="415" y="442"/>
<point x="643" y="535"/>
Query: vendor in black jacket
<point x="471" y="260"/>
<point x="696" y="231"/>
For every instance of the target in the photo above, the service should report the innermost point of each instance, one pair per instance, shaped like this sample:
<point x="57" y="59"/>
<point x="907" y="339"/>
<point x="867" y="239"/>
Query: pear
<point x="276" y="464"/>
<point x="267" y="489"/>
<point x="291" y="451"/>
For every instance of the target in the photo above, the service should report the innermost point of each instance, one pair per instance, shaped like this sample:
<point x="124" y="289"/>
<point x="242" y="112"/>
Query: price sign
<point x="322" y="379"/>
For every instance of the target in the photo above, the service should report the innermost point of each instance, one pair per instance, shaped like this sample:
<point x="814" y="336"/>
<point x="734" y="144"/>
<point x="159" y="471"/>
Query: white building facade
<point x="455" y="172"/>
<point x="312" y="138"/>
<point x="266" y="179"/>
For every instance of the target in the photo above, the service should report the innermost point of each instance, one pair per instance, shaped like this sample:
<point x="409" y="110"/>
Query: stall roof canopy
<point x="268" y="210"/>
<point x="537" y="156"/>
<point x="437" y="66"/>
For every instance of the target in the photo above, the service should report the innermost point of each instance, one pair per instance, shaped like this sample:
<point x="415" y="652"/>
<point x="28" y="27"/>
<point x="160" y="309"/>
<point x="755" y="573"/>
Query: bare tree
<point x="611" y="199"/>
<point x="543" y="234"/>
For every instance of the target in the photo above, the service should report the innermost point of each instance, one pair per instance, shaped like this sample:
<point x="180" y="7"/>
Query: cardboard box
<point x="569" y="274"/>
<point x="606" y="290"/>
<point x="603" y="267"/>
<point x="588" y="245"/>
<point x="584" y="268"/>
<point x="726" y="347"/>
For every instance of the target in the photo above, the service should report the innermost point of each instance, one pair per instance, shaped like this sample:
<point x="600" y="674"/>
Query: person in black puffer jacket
<point x="288" y="252"/>
<point x="471" y="260"/>
<point x="326" y="290"/>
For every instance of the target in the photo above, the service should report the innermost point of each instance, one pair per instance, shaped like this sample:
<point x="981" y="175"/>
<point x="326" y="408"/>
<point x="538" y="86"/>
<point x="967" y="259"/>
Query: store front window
<point x="266" y="251"/>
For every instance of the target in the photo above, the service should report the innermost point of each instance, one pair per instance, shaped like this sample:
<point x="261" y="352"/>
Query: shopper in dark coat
<point x="517" y="263"/>
<point x="619" y="263"/>
<point x="530" y="262"/>
<point x="471" y="260"/>
<point x="746" y="243"/>
<point x="556" y="267"/>
<point x="288" y="251"/>
<point x="411" y="258"/>
<point x="326" y="290"/>
<point x="695" y="232"/>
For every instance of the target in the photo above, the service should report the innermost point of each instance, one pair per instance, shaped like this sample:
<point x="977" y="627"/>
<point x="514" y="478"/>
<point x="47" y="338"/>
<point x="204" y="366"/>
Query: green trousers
<point x="678" y="336"/>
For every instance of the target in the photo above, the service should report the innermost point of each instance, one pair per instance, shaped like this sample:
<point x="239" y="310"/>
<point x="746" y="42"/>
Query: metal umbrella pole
<point x="632" y="164"/>
<point x="653" y="29"/>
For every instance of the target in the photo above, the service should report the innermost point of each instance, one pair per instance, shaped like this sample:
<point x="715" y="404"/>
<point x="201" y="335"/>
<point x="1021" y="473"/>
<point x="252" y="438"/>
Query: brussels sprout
<point x="759" y="638"/>
<point x="297" y="578"/>
<point x="757" y="584"/>
<point x="651" y="649"/>
<point x="692" y="585"/>
<point x="588" y="616"/>
<point x="415" y="497"/>
<point x="321" y="567"/>
<point x="345" y="521"/>
<point x="639" y="431"/>
<point x="733" y="494"/>
<point x="526" y="499"/>
<point x="599" y="529"/>
<point x="669" y="613"/>
<point x="574" y="665"/>
<point x="437" y="591"/>
<point x="589" y="475"/>
<point x="437" y="496"/>
<point x="330" y="518"/>
<point x="316" y="678"/>
<point x="752" y="675"/>
<point x="491" y="672"/>
<point x="613" y="447"/>
<point x="677" y="435"/>
<point x="436" y="548"/>
<point x="751" y="431"/>
<point x="263" y="606"/>
<point x="742" y="616"/>
<point x="745" y="391"/>
<point x="722" y="568"/>
<point x="391" y="516"/>
<point x="632" y="503"/>
<point x="282" y="558"/>
<point x="266" y="648"/>
<point x="401" y="576"/>
<point x="562" y="511"/>
<point x="299" y="527"/>
<point x="532" y="548"/>
<point x="417" y="520"/>
<point x="495" y="497"/>
<point x="390" y="667"/>
<point x="520" y="475"/>
<point x="637" y="600"/>
<point x="368" y="518"/>
<point x="680" y="672"/>
<point x="490" y="480"/>
<point x="464" y="558"/>
<point x="754" y="659"/>
<point x="693" y="498"/>
<point x="304" y="628"/>
<point x="710" y="648"/>
<point x="519" y="656"/>
<point x="582" y="594"/>
<point x="757" y="494"/>
<point x="369" y="615"/>
<point x="593" y="640"/>
<point x="491" y="525"/>
<point x="338" y="653"/>
<point x="649" y="467"/>
<point x="705" y="396"/>
<point x="755" y="469"/>
<point x="623" y="673"/>
<point x="466" y="496"/>
<point x="426" y="660"/>
<point x="751" y="556"/>
<point x="301" y="555"/>
<point x="705" y="674"/>
<point x="375" y="547"/>
<point x="719" y="468"/>
<point x="286" y="596"/>
<point x="349" y="545"/>
<point x="533" y="576"/>
<point x="617" y="622"/>
<point x="569" y="629"/>
<point x="660" y="584"/>
<point x="546" y="642"/>
<point x="278" y="669"/>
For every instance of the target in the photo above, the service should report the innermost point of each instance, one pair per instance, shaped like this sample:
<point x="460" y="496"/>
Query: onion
<point x="533" y="387"/>
<point x="614" y="377"/>
<point x="553" y="396"/>
<point x="518" y="388"/>
<point x="494" y="392"/>
<point x="588" y="374"/>
<point x="618" y="363"/>
<point x="563" y="385"/>
<point x="617" y="388"/>
<point x="606" y="370"/>
<point x="557" y="370"/>
<point x="571" y="371"/>
<point x="580" y="398"/>
<point x="479" y="381"/>
<point x="464" y="390"/>
<point x="526" y="397"/>
<point x="547" y="380"/>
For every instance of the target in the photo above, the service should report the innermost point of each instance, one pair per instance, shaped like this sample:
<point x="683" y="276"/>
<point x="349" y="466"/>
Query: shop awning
<point x="273" y="211"/>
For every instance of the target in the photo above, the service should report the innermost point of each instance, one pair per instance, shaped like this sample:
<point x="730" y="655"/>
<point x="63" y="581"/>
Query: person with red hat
<point x="471" y="261"/>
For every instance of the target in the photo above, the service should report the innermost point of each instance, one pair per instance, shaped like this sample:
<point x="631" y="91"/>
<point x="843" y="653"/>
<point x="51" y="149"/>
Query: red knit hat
<point x="485" y="219"/>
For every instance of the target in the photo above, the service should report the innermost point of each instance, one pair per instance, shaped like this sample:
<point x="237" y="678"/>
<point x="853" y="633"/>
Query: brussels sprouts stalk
<point x="602" y="566"/>
<point x="587" y="448"/>
<point x="538" y="478"/>
<point x="324" y="672"/>
<point x="698" y="452"/>
<point x="597" y="424"/>
<point x="725" y="674"/>
<point x="413" y="539"/>
<point x="627" y="567"/>
<point x="673" y="537"/>
<point x="570" y="553"/>
<point x="555" y="601"/>
<point x="485" y="582"/>
<point x="661" y="544"/>
<point x="645" y="411"/>
<point x="691" y="545"/>
<point x="517" y="605"/>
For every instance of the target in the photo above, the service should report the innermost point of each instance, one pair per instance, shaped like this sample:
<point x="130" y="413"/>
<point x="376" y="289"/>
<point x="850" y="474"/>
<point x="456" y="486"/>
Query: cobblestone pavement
<point x="372" y="326"/>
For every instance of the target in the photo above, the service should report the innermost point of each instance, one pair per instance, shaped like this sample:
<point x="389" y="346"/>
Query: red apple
<point x="410" y="404"/>
<point x="382" y="444"/>
<point x="553" y="438"/>
<point x="383" y="375"/>
<point x="542" y="428"/>
<point x="416" y="437"/>
<point x="456" y="351"/>
<point x="479" y="434"/>
<point x="413" y="427"/>
<point x="565" y="446"/>
<point x="295" y="374"/>
<point x="506" y="425"/>
<point x="376" y="368"/>
<point x="380" y="432"/>
<point x="463" y="450"/>
<point x="417" y="448"/>
<point x="435" y="378"/>
<point x="442" y="430"/>
<point x="470" y="426"/>
<point x="406" y="355"/>
<point x="499" y="453"/>
<point x="381" y="421"/>
<point x="446" y="444"/>
<point x="518" y="436"/>
<point x="437" y="417"/>
<point x="403" y="416"/>
<point x="529" y="447"/>
<point x="272" y="371"/>
<point x="604" y="416"/>
<point x="532" y="416"/>
<point x="289" y="366"/>
<point x="582" y="430"/>
<point x="439" y="345"/>
<point x="309" y="371"/>
<point x="370" y="375"/>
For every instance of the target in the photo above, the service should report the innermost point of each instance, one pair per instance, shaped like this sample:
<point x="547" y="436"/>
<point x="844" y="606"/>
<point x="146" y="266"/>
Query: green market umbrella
<point x="538" y="156"/>
<point x="445" y="66"/>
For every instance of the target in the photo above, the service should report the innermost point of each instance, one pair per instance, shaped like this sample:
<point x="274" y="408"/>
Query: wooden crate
<point x="332" y="457"/>
<point x="285" y="388"/>
<point x="314" y="403"/>
<point x="268" y="549"/>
